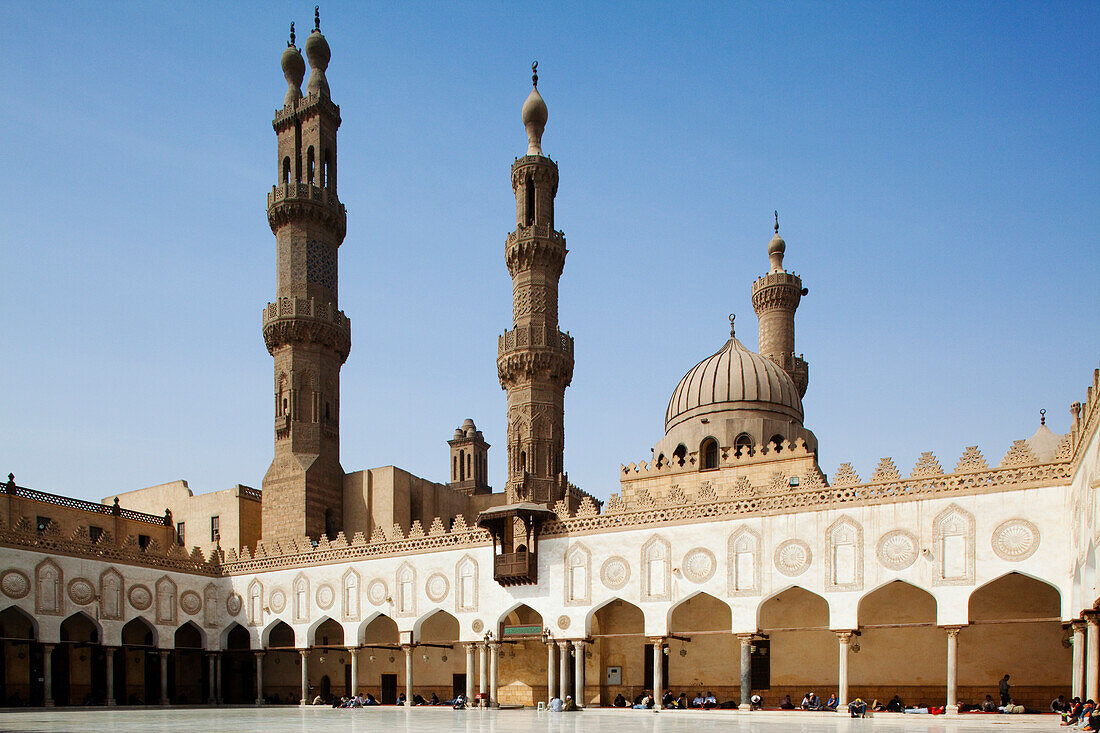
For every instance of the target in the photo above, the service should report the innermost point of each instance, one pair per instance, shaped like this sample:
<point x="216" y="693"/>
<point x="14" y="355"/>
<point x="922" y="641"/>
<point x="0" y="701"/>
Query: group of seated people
<point x="669" y="701"/>
<point x="360" y="701"/>
<point x="557" y="705"/>
<point x="1077" y="714"/>
<point x="809" y="702"/>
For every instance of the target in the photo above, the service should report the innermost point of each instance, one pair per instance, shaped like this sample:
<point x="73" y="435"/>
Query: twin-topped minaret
<point x="535" y="359"/>
<point x="305" y="332"/>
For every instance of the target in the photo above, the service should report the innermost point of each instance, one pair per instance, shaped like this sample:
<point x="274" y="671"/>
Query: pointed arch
<point x="519" y="614"/>
<point x="953" y="545"/>
<point x="81" y="627"/>
<point x="436" y="626"/>
<point x="139" y="632"/>
<point x="578" y="575"/>
<point x="656" y="564"/>
<point x="1015" y="595"/>
<point x="279" y="634"/>
<point x="743" y="560"/>
<point x="466" y="584"/>
<point x="15" y="623"/>
<point x="699" y="611"/>
<point x="844" y="555"/>
<point x="325" y="631"/>
<point x="189" y="636"/>
<point x="620" y="612"/>
<point x="894" y="602"/>
<point x="233" y="631"/>
<point x="379" y="628"/>
<point x="793" y="607"/>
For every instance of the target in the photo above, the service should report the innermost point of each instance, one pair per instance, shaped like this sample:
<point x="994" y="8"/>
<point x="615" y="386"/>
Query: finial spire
<point x="1042" y="417"/>
<point x="290" y="43"/>
<point x="316" y="18"/>
<point x="732" y="316"/>
<point x="535" y="73"/>
<point x="777" y="221"/>
<point x="534" y="114"/>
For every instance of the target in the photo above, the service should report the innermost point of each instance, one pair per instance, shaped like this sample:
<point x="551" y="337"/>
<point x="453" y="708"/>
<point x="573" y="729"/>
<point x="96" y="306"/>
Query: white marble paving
<point x="445" y="720"/>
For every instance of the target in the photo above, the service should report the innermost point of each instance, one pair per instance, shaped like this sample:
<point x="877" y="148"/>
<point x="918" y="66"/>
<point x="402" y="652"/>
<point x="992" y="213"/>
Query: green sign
<point x="522" y="631"/>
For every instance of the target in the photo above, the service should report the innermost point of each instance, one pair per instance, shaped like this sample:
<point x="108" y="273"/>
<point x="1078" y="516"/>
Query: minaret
<point x="535" y="359"/>
<point x="303" y="329"/>
<point x="775" y="298"/>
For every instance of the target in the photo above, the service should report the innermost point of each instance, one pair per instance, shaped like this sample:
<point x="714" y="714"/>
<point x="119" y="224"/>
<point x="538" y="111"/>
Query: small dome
<point x="733" y="379"/>
<point x="534" y="114"/>
<point x="467" y="424"/>
<point x="294" y="70"/>
<point x="777" y="245"/>
<point x="1045" y="443"/>
<point x="317" y="51"/>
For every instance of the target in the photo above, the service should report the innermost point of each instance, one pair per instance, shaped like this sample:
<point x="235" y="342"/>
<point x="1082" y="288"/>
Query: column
<point x="483" y="678"/>
<point x="578" y="673"/>
<point x="305" y="676"/>
<point x="110" y="656"/>
<point x="746" y="671"/>
<point x="563" y="669"/>
<point x="471" y="672"/>
<point x="354" y="654"/>
<point x="408" y="674"/>
<point x="658" y="672"/>
<point x="551" y="671"/>
<point x="220" y="681"/>
<point x="260" y="677"/>
<point x="47" y="675"/>
<point x="494" y="657"/>
<point x="952" y="670"/>
<point x="1078" y="659"/>
<point x="212" y="697"/>
<point x="163" y="676"/>
<point x="843" y="638"/>
<point x="1092" y="650"/>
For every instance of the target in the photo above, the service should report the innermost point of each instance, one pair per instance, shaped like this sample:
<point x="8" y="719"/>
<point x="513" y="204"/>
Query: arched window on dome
<point x="680" y="454"/>
<point x="709" y="454"/>
<point x="776" y="443"/>
<point x="661" y="461"/>
<point x="742" y="446"/>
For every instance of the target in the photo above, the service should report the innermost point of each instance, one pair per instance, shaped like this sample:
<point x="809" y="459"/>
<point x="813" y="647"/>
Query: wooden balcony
<point x="515" y="568"/>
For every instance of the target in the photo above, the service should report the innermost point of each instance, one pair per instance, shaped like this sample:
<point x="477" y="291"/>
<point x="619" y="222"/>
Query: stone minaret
<point x="535" y="359"/>
<point x="775" y="298"/>
<point x="303" y="329"/>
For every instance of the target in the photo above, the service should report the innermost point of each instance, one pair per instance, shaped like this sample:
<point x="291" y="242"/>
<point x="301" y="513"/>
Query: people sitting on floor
<point x="697" y="701"/>
<point x="418" y="699"/>
<point x="815" y="702"/>
<point x="857" y="708"/>
<point x="710" y="701"/>
<point x="682" y="702"/>
<point x="459" y="702"/>
<point x="370" y="700"/>
<point x="570" y="706"/>
<point x="831" y="703"/>
<point x="1089" y="720"/>
<point x="620" y="701"/>
<point x="668" y="701"/>
<point x="756" y="703"/>
<point x="1070" y="716"/>
<point x="433" y="700"/>
<point x="786" y="704"/>
<point x="1059" y="705"/>
<point x="555" y="705"/>
<point x="645" y="703"/>
<point x="895" y="705"/>
<point x="401" y="699"/>
<point x="989" y="705"/>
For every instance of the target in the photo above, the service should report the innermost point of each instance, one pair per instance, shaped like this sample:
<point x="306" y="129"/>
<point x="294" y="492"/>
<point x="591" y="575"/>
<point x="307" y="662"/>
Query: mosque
<point x="727" y="562"/>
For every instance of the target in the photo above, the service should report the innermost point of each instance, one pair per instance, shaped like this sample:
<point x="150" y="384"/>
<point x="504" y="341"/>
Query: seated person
<point x="710" y="701"/>
<point x="620" y="701"/>
<point x="401" y="699"/>
<point x="646" y="702"/>
<point x="815" y="702"/>
<point x="668" y="701"/>
<point x="370" y="700"/>
<point x="786" y="704"/>
<point x="1070" y="716"/>
<point x="555" y="705"/>
<point x="697" y="701"/>
<point x="831" y="703"/>
<point x="682" y="701"/>
<point x="1059" y="704"/>
<point x="988" y="705"/>
<point x="569" y="706"/>
<point x="857" y="708"/>
<point x="459" y="703"/>
<point x="805" y="704"/>
<point x="418" y="699"/>
<point x="895" y="705"/>
<point x="756" y="703"/>
<point x="433" y="700"/>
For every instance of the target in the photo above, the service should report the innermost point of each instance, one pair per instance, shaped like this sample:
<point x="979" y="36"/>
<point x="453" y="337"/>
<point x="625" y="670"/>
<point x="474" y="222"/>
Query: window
<point x="42" y="523"/>
<point x="215" y="534"/>
<point x="710" y="454"/>
<point x="777" y="443"/>
<point x="143" y="541"/>
<point x="742" y="447"/>
<point x="179" y="533"/>
<point x="680" y="454"/>
<point x="94" y="533"/>
<point x="529" y="203"/>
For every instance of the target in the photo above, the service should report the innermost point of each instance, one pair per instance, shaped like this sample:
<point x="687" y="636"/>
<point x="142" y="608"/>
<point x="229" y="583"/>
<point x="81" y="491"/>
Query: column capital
<point x="470" y="645"/>
<point x="164" y="652"/>
<point x="563" y="644"/>
<point x="845" y="635"/>
<point x="259" y="652"/>
<point x="952" y="631"/>
<point x="579" y="643"/>
<point x="1077" y="625"/>
<point x="303" y="652"/>
<point x="1092" y="618"/>
<point x="494" y="645"/>
<point x="746" y="639"/>
<point x="49" y="647"/>
<point x="658" y="640"/>
<point x="408" y="648"/>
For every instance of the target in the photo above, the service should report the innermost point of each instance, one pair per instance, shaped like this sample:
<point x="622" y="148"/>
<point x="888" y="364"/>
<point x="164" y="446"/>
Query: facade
<point x="728" y="561"/>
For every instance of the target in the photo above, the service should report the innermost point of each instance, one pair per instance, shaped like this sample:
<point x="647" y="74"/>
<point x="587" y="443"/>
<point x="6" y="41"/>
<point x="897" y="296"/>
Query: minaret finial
<point x="534" y="114"/>
<point x="290" y="43"/>
<point x="777" y="221"/>
<point x="535" y="73"/>
<point x="732" y="316"/>
<point x="1042" y="417"/>
<point x="316" y="18"/>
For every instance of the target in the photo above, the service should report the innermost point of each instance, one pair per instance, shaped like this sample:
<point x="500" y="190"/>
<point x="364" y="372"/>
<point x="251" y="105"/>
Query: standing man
<point x="1003" y="687"/>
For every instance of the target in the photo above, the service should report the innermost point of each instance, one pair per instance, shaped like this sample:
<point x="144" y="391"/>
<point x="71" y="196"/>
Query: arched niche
<point x="139" y="633"/>
<point x="327" y="632"/>
<point x="17" y="624"/>
<point x="80" y="628"/>
<point x="897" y="621"/>
<point x="381" y="630"/>
<point x="438" y="627"/>
<point x="278" y="635"/>
<point x="189" y="636"/>
<point x="800" y="653"/>
<point x="617" y="628"/>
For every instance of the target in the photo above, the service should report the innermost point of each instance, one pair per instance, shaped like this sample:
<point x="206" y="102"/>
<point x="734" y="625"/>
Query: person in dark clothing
<point x="786" y="704"/>
<point x="1003" y="688"/>
<point x="1059" y="704"/>
<point x="620" y="701"/>
<point x="895" y="705"/>
<point x="667" y="700"/>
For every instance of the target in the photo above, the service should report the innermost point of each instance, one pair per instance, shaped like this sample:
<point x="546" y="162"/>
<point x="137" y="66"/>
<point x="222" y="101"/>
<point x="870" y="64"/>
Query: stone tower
<point x="775" y="298"/>
<point x="305" y="332"/>
<point x="535" y="359"/>
<point x="469" y="460"/>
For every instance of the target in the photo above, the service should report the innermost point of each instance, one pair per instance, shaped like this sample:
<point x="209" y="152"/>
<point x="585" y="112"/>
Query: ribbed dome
<point x="733" y="379"/>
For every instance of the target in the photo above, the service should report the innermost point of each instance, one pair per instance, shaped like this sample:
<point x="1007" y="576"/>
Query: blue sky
<point x="935" y="166"/>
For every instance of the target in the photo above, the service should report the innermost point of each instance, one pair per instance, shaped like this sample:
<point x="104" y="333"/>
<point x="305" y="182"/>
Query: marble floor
<point x="444" y="720"/>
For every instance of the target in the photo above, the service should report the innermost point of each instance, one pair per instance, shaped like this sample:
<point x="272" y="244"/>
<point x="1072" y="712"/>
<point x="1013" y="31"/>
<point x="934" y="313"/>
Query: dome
<point x="733" y="379"/>
<point x="534" y="114"/>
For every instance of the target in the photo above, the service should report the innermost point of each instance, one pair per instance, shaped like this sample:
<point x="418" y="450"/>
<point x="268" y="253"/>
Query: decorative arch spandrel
<point x="166" y="601"/>
<point x="112" y="587"/>
<point x="466" y="580"/>
<point x="256" y="603"/>
<point x="349" y="595"/>
<point x="48" y="581"/>
<point x="300" y="590"/>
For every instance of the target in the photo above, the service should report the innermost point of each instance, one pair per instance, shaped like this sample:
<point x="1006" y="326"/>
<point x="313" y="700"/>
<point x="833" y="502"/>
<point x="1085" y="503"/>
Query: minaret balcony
<point x="304" y="320"/>
<point x="523" y="338"/>
<point x="303" y="192"/>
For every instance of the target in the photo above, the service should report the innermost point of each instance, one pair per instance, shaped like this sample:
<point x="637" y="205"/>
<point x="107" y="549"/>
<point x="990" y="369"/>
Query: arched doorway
<point x="20" y="659"/>
<point x="711" y="660"/>
<point x="238" y="667"/>
<point x="439" y="661"/>
<point x="801" y="650"/>
<point x="382" y="663"/>
<point x="78" y="664"/>
<point x="618" y="632"/>
<point x="329" y="660"/>
<point x="137" y="668"/>
<point x="521" y="666"/>
<point x="187" y="675"/>
<point x="282" y="664"/>
<point x="899" y="650"/>
<point x="1015" y="629"/>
